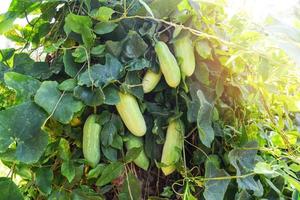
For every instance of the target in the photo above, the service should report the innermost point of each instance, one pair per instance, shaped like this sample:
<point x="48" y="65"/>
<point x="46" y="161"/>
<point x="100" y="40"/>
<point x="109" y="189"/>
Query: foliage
<point x="240" y="108"/>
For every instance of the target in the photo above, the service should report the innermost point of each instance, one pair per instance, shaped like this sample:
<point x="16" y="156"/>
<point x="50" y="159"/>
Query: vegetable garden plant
<point x="142" y="99"/>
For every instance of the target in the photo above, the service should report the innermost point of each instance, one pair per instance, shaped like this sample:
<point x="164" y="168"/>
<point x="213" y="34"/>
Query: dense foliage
<point x="75" y="122"/>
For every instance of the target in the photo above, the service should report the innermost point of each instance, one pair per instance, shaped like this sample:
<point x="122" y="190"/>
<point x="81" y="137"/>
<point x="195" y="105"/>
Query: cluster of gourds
<point x="132" y="117"/>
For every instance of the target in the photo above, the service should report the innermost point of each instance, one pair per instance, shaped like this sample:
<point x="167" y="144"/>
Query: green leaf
<point x="96" y="172"/>
<point x="294" y="182"/>
<point x="6" y="22"/>
<point x="68" y="170"/>
<point x="25" y="129"/>
<point x="49" y="98"/>
<point x="107" y="133"/>
<point x="23" y="64"/>
<point x="99" y="75"/>
<point x="43" y="180"/>
<point x="134" y="45"/>
<point x="111" y="95"/>
<point x="71" y="67"/>
<point x="167" y="192"/>
<point x="67" y="85"/>
<point x="9" y="190"/>
<point x="204" y="120"/>
<point x="117" y="142"/>
<point x="219" y="88"/>
<point x="111" y="172"/>
<point x="148" y="9"/>
<point x="3" y="70"/>
<point x="214" y="189"/>
<point x="6" y="54"/>
<point x="104" y="117"/>
<point x="80" y="55"/>
<point x="110" y="153"/>
<point x="98" y="50"/>
<point x="81" y="25"/>
<point x="114" y="47"/>
<point x="103" y="14"/>
<point x="132" y="154"/>
<point x="192" y="105"/>
<point x="90" y="97"/>
<point x="202" y="73"/>
<point x="295" y="167"/>
<point x="203" y="49"/>
<point x="131" y="188"/>
<point x="105" y="27"/>
<point x="133" y="84"/>
<point x="263" y="168"/>
<point x="25" y="86"/>
<point x="52" y="47"/>
<point x="244" y="162"/>
<point x="188" y="192"/>
<point x="116" y="120"/>
<point x="243" y="195"/>
<point x="77" y="23"/>
<point x="64" y="149"/>
<point x="88" y="37"/>
<point x="138" y="64"/>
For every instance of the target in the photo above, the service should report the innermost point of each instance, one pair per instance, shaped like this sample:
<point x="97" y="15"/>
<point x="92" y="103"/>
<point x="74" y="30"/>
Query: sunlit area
<point x="150" y="99"/>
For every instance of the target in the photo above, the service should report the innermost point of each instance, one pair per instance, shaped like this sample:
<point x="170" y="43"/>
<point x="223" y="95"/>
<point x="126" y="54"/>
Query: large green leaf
<point x="25" y="86"/>
<point x="107" y="133"/>
<point x="204" y="120"/>
<point x="134" y="45"/>
<point x="100" y="75"/>
<point x="51" y="99"/>
<point x="111" y="95"/>
<point x="111" y="172"/>
<point x="81" y="25"/>
<point x="25" y="65"/>
<point x="133" y="84"/>
<point x="90" y="96"/>
<point x="110" y="153"/>
<point x="103" y="13"/>
<point x="138" y="64"/>
<point x="131" y="188"/>
<point x="64" y="151"/>
<point x="244" y="162"/>
<point x="68" y="170"/>
<point x="6" y="54"/>
<point x="77" y="23"/>
<point x="71" y="67"/>
<point x="43" y="179"/>
<point x="96" y="172"/>
<point x="22" y="124"/>
<point x="132" y="154"/>
<point x="104" y="27"/>
<point x="9" y="190"/>
<point x="214" y="189"/>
